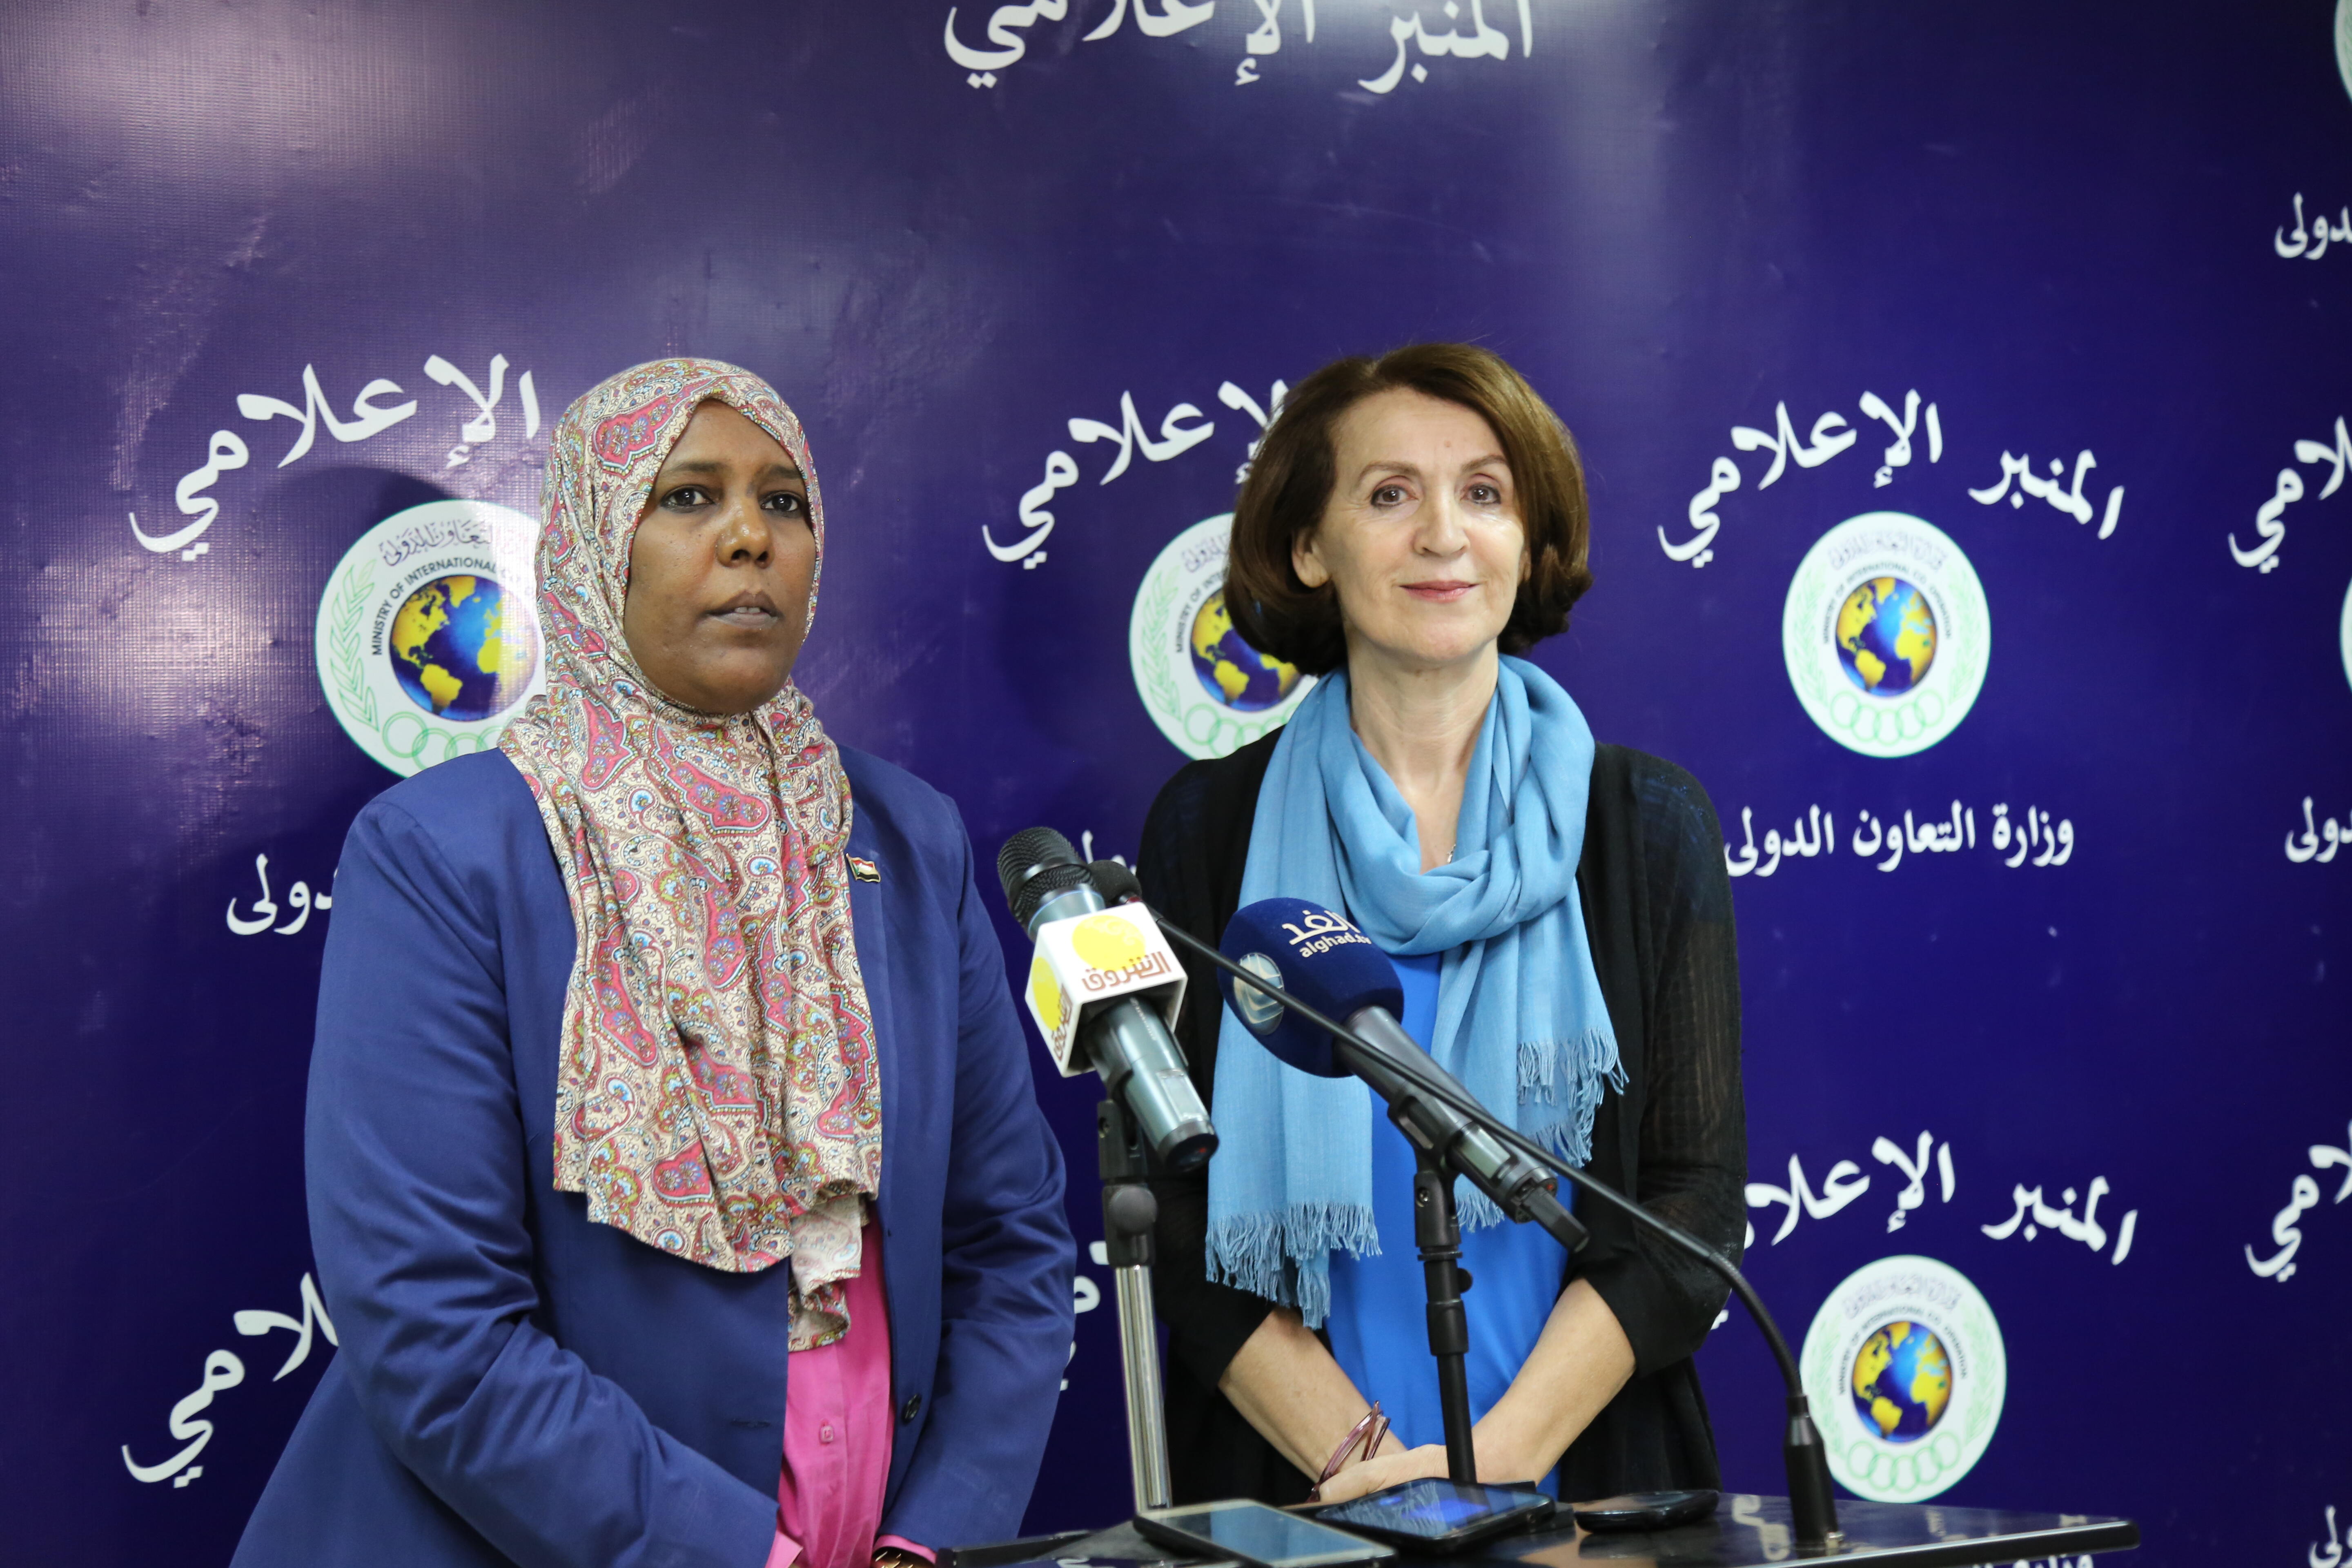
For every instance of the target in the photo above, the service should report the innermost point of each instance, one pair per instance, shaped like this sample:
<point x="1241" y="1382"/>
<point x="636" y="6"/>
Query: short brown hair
<point x="1290" y="484"/>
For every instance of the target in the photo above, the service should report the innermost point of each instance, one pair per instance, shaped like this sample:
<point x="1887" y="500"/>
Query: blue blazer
<point x="518" y="1384"/>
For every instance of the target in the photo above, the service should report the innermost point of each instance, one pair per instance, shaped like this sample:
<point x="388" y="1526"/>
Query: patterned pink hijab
<point x="717" y="1094"/>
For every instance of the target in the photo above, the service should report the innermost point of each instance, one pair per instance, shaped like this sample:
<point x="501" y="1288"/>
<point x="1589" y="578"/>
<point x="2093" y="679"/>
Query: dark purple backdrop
<point x="2062" y="227"/>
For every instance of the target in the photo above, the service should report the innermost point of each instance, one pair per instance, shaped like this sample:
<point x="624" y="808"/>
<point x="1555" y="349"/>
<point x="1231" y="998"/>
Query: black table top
<point x="1745" y="1532"/>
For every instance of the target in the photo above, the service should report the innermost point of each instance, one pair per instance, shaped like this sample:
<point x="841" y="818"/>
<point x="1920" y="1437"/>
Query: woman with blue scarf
<point x="1559" y="919"/>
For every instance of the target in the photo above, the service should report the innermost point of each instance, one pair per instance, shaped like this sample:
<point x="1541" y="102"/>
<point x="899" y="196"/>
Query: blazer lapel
<point x="870" y="928"/>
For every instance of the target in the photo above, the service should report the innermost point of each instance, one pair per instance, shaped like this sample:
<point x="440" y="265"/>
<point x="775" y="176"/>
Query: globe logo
<point x="1902" y="1381"/>
<point x="1905" y="1367"/>
<point x="1234" y="673"/>
<point x="1886" y="637"/>
<point x="459" y="651"/>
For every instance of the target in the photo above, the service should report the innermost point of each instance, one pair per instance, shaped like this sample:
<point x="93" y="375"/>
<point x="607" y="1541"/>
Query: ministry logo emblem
<point x="1209" y="691"/>
<point x="1886" y="634"/>
<point x="1906" y="1375"/>
<point x="429" y="639"/>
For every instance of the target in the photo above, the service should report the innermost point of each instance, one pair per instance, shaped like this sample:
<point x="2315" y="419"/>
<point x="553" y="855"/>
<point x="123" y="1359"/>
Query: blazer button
<point x="912" y="1409"/>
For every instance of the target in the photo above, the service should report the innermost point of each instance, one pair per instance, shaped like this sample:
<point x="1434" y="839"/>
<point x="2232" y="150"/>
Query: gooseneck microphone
<point x="1103" y="988"/>
<point x="1271" y="982"/>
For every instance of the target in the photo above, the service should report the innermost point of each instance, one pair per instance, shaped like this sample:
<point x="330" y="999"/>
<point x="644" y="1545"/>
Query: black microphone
<point x="1395" y="1065"/>
<point x="1328" y="964"/>
<point x="1813" y="1507"/>
<point x="1125" y="1038"/>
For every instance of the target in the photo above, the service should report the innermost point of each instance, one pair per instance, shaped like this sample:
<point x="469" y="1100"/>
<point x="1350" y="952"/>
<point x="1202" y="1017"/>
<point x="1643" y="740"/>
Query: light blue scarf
<point x="1520" y="1017"/>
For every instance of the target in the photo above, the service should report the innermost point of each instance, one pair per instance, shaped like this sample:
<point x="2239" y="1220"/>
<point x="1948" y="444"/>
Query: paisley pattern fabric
<point x="718" y="1096"/>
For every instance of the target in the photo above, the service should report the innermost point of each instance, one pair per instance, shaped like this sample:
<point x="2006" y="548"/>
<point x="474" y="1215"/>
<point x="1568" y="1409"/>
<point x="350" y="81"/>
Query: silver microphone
<point x="1125" y="1040"/>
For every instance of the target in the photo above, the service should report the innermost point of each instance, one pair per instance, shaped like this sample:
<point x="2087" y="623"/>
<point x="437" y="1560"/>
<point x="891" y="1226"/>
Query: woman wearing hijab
<point x="1559" y="919"/>
<point x="676" y="1177"/>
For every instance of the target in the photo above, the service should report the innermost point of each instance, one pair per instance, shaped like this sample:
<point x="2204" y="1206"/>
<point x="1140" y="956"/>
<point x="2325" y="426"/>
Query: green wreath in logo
<point x="343" y="616"/>
<point x="1156" y="674"/>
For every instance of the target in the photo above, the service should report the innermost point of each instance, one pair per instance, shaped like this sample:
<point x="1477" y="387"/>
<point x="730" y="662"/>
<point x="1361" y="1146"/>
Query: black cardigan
<point x="1657" y="906"/>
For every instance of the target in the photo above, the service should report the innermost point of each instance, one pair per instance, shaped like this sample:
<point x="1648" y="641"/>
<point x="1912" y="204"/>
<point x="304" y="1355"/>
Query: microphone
<point x="1104" y="988"/>
<point x="1322" y="960"/>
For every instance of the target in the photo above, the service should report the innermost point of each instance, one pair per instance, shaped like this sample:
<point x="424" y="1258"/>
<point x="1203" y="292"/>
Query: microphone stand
<point x="1813" y="1508"/>
<point x="1434" y="1128"/>
<point x="1041" y="873"/>
<point x="1438" y="1232"/>
<point x="1129" y="1212"/>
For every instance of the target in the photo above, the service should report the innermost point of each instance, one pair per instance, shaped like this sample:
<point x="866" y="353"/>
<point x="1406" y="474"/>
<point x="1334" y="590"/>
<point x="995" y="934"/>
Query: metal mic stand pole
<point x="1129" y="1212"/>
<point x="1438" y="1230"/>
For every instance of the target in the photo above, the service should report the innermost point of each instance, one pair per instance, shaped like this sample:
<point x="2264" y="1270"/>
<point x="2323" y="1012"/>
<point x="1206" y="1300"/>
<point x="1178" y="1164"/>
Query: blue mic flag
<point x="1317" y="957"/>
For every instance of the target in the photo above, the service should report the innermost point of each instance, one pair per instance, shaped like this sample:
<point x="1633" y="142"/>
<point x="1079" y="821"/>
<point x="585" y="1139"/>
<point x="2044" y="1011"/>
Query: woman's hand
<point x="1386" y="1471"/>
<point x="1580" y="1359"/>
<point x="1496" y="1467"/>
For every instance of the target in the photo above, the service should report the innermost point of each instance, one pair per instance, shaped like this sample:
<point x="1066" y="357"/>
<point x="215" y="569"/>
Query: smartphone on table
<point x="1257" y="1534"/>
<point x="1645" y="1511"/>
<point x="1441" y="1516"/>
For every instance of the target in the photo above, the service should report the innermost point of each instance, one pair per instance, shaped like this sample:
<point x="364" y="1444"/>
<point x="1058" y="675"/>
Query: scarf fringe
<point x="1589" y="1066"/>
<point x="1586" y="1063"/>
<point x="1282" y="1256"/>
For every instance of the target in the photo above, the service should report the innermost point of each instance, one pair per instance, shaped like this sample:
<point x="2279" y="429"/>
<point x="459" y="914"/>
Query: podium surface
<point x="1745" y="1531"/>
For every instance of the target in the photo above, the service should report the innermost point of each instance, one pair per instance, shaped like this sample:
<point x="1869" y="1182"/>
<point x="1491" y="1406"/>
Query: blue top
<point x="518" y="1384"/>
<point x="1380" y="1324"/>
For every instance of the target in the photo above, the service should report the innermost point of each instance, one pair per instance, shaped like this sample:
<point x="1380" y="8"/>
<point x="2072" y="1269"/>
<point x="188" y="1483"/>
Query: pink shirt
<point x="837" y="1430"/>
